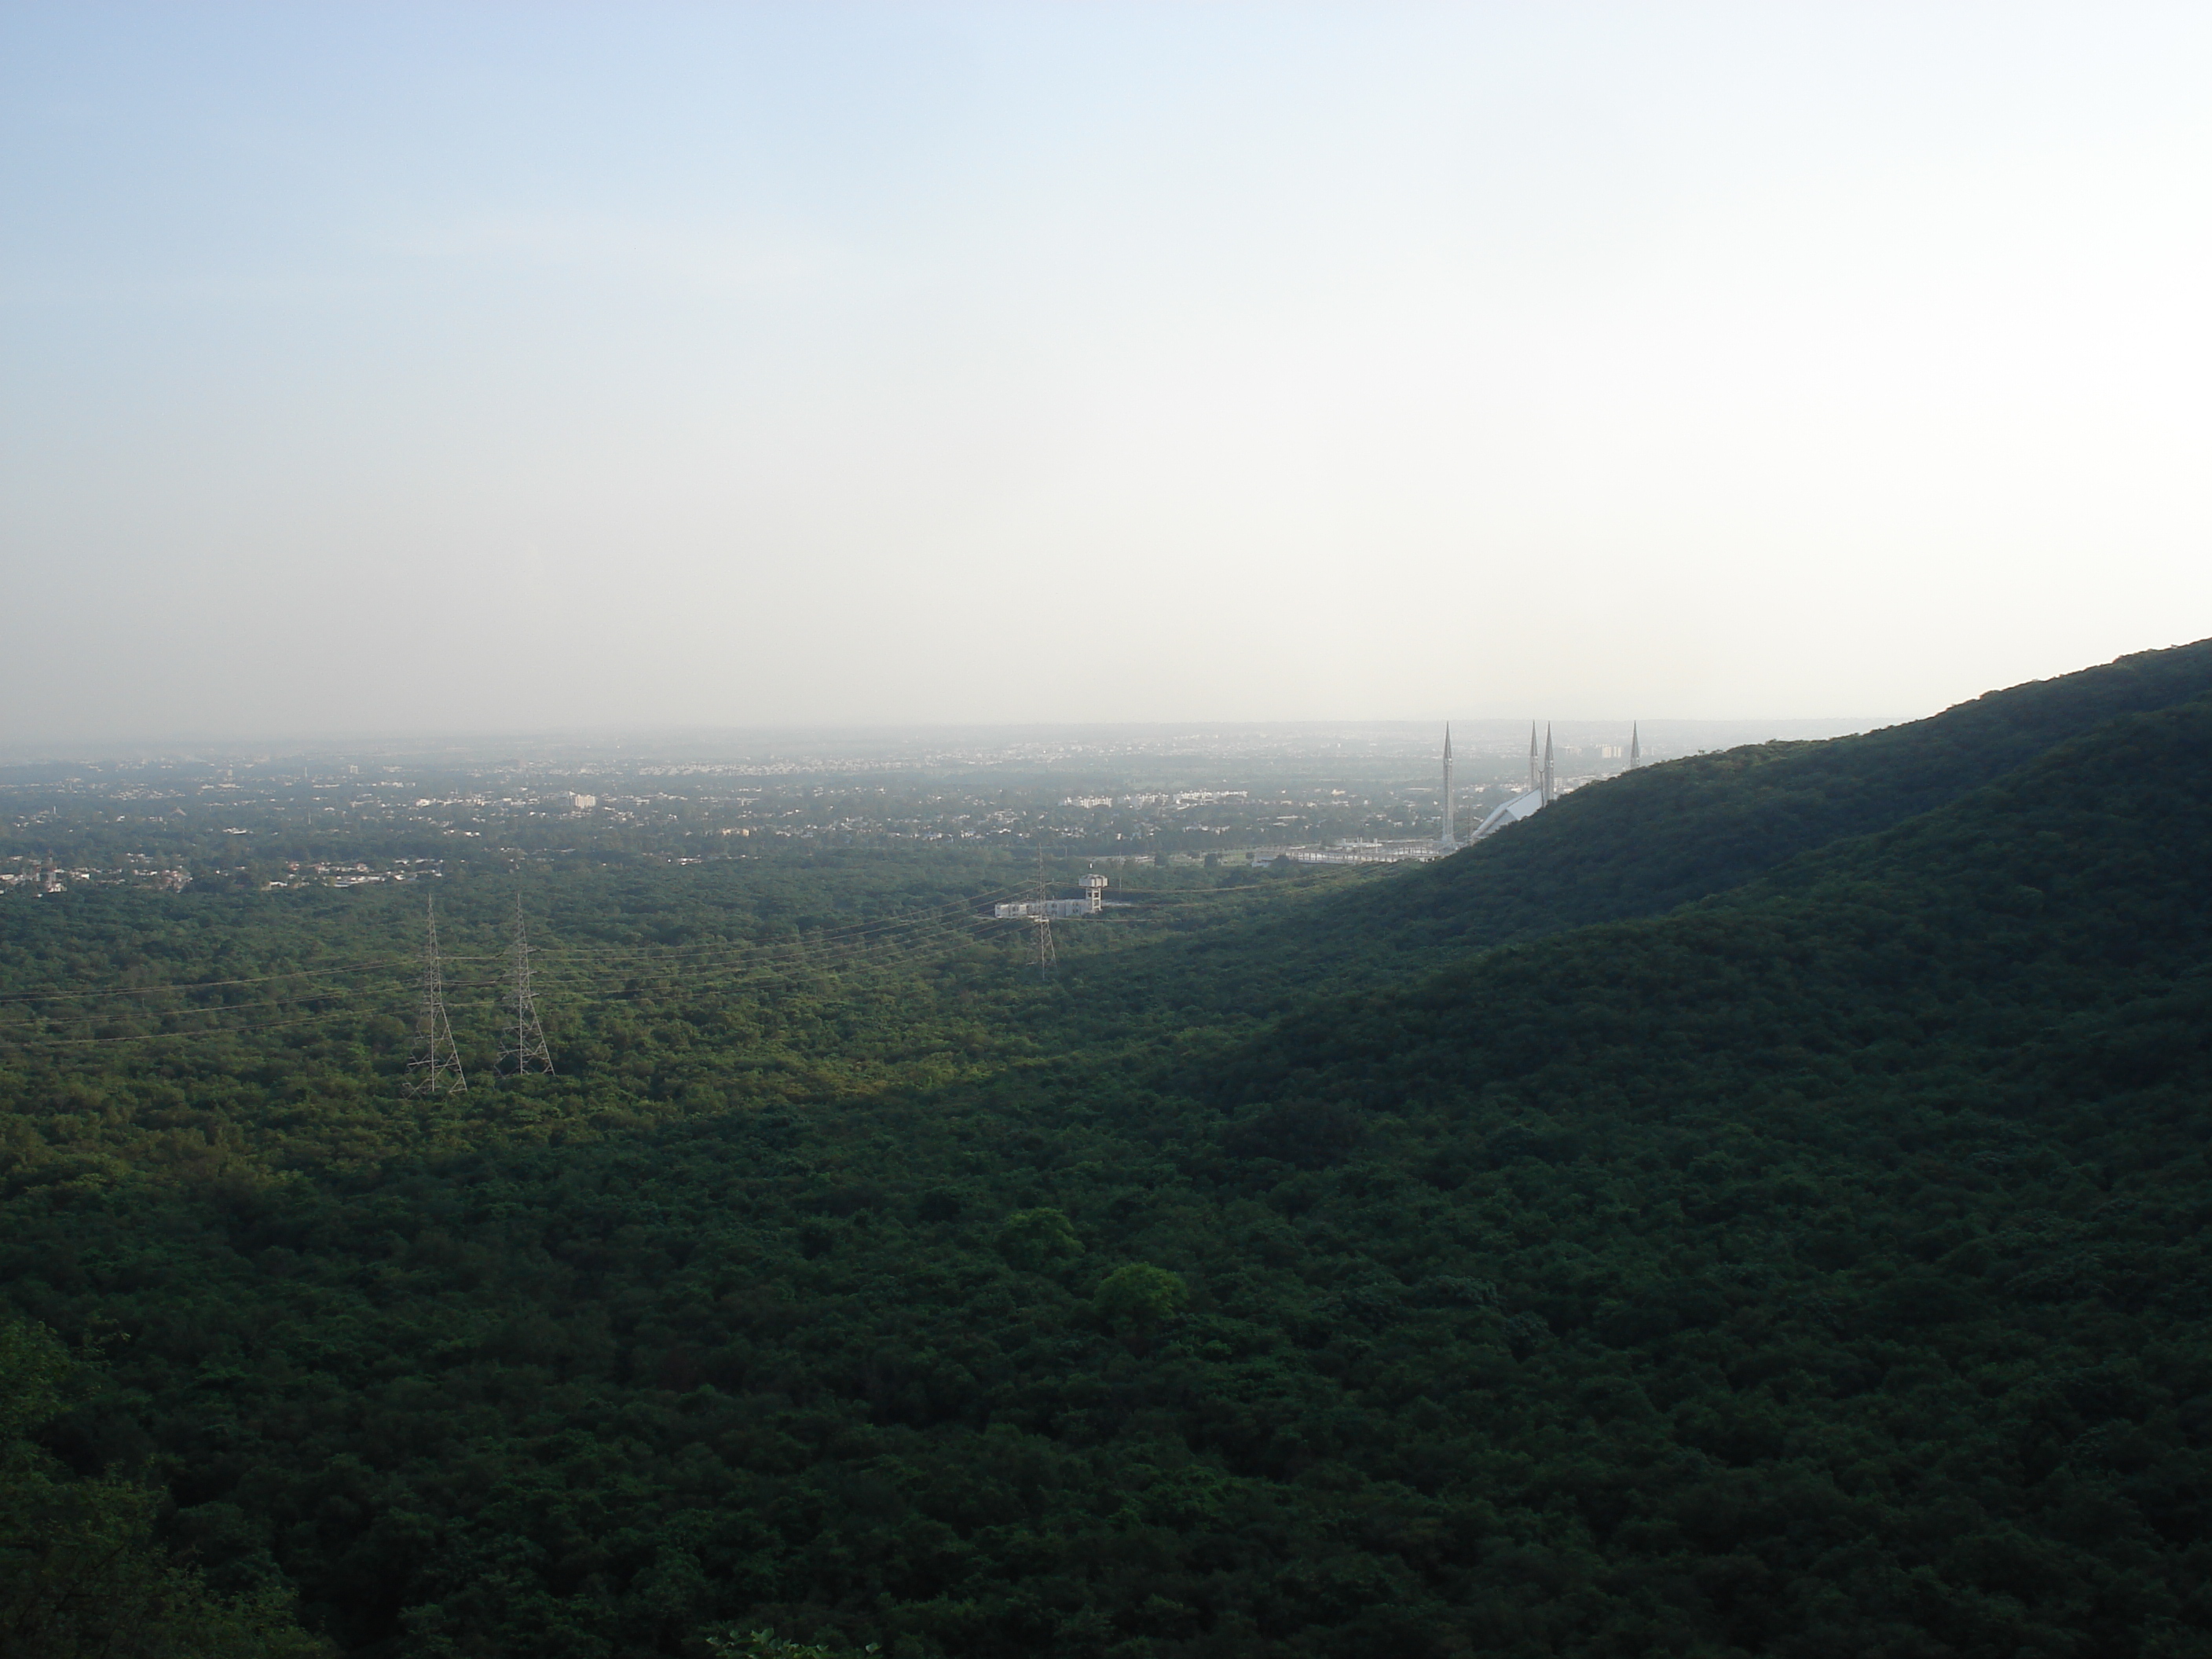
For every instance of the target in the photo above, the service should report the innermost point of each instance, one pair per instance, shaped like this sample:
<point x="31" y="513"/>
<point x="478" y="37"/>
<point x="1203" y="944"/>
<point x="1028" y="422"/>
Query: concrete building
<point x="1093" y="902"/>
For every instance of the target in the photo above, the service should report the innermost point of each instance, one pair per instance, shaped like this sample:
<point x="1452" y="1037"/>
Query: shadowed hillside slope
<point x="1901" y="1150"/>
<point x="2084" y="873"/>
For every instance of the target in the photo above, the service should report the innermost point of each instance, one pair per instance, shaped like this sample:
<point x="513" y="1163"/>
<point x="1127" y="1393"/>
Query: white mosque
<point x="1542" y="790"/>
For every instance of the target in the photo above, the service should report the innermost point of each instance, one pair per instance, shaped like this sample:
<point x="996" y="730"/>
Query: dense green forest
<point x="1755" y="1206"/>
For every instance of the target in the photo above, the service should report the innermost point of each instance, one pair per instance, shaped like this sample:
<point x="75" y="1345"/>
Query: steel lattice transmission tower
<point x="1043" y="919"/>
<point x="529" y="1053"/>
<point x="436" y="1066"/>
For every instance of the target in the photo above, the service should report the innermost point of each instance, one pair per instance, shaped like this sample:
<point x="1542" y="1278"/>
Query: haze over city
<point x="466" y="368"/>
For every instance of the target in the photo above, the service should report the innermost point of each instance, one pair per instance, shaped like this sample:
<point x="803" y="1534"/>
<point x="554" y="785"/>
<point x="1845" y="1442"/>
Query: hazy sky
<point x="380" y="366"/>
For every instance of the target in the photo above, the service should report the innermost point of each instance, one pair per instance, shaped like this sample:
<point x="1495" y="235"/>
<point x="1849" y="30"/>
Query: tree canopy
<point x="1522" y="1255"/>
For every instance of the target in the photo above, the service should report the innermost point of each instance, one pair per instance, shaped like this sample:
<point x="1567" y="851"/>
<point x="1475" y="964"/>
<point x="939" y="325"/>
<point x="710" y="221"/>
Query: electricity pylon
<point x="1042" y="919"/>
<point x="437" y="1062"/>
<point x="529" y="1053"/>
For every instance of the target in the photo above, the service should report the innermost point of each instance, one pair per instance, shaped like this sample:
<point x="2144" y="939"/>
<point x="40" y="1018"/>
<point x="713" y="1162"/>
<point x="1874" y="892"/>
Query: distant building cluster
<point x="43" y="876"/>
<point x="1180" y="798"/>
<point x="236" y="823"/>
<point x="297" y="874"/>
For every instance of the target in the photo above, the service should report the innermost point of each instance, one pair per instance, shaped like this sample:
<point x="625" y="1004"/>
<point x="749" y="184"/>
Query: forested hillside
<point x="1814" y="1268"/>
<point x="1653" y="839"/>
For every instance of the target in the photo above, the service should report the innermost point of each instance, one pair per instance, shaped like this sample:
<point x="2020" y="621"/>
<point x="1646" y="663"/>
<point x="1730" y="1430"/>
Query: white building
<point x="1525" y="804"/>
<point x="1093" y="902"/>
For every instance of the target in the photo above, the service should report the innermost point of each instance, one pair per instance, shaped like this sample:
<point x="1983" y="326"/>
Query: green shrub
<point x="1037" y="1240"/>
<point x="1139" y="1297"/>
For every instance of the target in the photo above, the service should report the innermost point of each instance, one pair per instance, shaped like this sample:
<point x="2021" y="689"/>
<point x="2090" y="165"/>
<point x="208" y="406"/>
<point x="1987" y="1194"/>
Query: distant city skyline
<point x="832" y="746"/>
<point x="471" y="368"/>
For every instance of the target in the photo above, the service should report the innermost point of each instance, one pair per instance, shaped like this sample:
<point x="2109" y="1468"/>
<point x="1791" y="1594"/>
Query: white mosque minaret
<point x="1448" y="840"/>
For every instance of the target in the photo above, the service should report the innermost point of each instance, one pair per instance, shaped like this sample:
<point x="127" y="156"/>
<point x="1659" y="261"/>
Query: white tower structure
<point x="1547" y="786"/>
<point x="1449" y="839"/>
<point x="1534" y="780"/>
<point x="1635" y="745"/>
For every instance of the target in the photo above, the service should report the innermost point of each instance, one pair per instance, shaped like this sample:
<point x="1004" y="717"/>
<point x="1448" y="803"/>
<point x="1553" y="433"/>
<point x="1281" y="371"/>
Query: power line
<point x="801" y="956"/>
<point x="49" y="1030"/>
<point x="159" y="1036"/>
<point x="190" y="985"/>
<point x="729" y="973"/>
<point x="808" y="950"/>
<point x="963" y="904"/>
<point x="736" y="972"/>
<point x="921" y="930"/>
<point x="438" y="1055"/>
<point x="830" y="935"/>
<point x="828" y="949"/>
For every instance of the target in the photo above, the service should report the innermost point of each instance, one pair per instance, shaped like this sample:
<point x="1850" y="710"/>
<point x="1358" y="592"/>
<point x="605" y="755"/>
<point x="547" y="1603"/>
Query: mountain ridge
<point x="1719" y="820"/>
